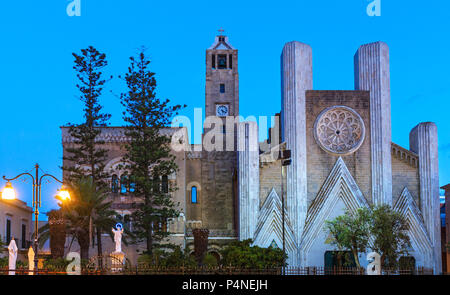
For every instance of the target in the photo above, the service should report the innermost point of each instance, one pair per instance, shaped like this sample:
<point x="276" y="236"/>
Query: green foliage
<point x="210" y="260"/>
<point x="389" y="230"/>
<point x="174" y="258"/>
<point x="350" y="232"/>
<point x="58" y="264"/>
<point x="387" y="227"/>
<point x="2" y="245"/>
<point x="4" y="261"/>
<point x="148" y="154"/>
<point x="87" y="209"/>
<point x="242" y="254"/>
<point x="87" y="151"/>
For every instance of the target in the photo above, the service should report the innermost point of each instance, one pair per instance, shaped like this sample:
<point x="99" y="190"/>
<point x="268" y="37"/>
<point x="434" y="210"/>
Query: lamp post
<point x="8" y="193"/>
<point x="285" y="157"/>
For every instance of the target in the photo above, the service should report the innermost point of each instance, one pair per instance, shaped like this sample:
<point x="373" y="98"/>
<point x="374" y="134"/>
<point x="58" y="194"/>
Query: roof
<point x="221" y="43"/>
<point x="446" y="187"/>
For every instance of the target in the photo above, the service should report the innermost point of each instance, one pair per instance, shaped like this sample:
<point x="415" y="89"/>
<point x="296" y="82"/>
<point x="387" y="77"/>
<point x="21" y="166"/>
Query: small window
<point x="165" y="184"/>
<point x="222" y="88"/>
<point x="114" y="184"/>
<point x="231" y="61"/>
<point x="222" y="59"/>
<point x="132" y="184"/>
<point x="194" y="199"/>
<point x="24" y="236"/>
<point x="8" y="231"/>
<point x="123" y="184"/>
<point x="213" y="61"/>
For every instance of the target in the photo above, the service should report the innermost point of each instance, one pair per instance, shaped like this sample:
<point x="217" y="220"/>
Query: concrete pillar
<point x="447" y="225"/>
<point x="248" y="179"/>
<point x="423" y="140"/>
<point x="296" y="78"/>
<point x="372" y="74"/>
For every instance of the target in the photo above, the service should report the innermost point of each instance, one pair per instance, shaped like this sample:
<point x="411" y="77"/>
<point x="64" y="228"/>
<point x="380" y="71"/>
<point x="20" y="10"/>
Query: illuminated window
<point x="132" y="184"/>
<point x="123" y="184"/>
<point x="115" y="184"/>
<point x="194" y="198"/>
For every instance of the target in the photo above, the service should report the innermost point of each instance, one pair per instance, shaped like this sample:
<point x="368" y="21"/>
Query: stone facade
<point x="16" y="222"/>
<point x="342" y="159"/>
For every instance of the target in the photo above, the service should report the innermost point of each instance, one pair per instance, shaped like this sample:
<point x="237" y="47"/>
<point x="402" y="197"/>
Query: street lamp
<point x="9" y="194"/>
<point x="285" y="157"/>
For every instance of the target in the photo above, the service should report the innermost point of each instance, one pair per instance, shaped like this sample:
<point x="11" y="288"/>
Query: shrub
<point x="173" y="258"/>
<point x="210" y="260"/>
<point x="242" y="254"/>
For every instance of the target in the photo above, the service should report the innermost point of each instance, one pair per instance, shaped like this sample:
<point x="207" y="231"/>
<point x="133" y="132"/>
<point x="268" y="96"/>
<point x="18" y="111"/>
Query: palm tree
<point x="87" y="210"/>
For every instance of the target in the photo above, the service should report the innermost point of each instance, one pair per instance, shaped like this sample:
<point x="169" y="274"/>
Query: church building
<point x="342" y="158"/>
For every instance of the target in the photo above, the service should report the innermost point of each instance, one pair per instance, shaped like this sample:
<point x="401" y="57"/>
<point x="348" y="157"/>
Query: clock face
<point x="222" y="110"/>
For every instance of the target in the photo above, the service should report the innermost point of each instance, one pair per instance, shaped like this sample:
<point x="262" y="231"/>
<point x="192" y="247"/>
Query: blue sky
<point x="37" y="81"/>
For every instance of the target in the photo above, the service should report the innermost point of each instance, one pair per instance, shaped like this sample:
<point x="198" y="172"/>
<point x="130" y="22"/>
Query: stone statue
<point x="12" y="249"/>
<point x="30" y="260"/>
<point x="118" y="238"/>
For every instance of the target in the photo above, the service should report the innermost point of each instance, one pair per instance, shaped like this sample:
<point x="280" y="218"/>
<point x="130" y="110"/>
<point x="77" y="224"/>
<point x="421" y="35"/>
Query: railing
<point x="26" y="271"/>
<point x="152" y="270"/>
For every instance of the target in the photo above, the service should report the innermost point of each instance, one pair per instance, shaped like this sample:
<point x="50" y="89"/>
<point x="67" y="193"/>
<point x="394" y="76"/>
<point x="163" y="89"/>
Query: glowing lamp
<point x="8" y="192"/>
<point x="64" y="194"/>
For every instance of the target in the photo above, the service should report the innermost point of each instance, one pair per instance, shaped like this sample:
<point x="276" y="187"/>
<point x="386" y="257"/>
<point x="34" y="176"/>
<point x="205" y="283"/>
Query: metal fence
<point x="152" y="270"/>
<point x="25" y="271"/>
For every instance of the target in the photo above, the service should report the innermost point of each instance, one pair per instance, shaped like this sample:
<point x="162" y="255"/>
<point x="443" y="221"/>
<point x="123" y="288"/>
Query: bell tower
<point x="222" y="79"/>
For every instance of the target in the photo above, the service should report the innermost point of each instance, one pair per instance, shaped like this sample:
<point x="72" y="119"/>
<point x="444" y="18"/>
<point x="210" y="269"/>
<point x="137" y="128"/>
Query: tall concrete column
<point x="248" y="179"/>
<point x="423" y="140"/>
<point x="372" y="74"/>
<point x="296" y="78"/>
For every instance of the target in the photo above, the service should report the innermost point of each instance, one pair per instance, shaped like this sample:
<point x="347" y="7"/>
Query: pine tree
<point x="87" y="157"/>
<point x="148" y="155"/>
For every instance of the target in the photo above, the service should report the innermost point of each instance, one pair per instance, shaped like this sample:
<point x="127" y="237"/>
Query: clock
<point x="222" y="110"/>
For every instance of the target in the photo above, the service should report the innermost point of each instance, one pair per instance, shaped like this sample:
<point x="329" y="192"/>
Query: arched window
<point x="123" y="184"/>
<point x="165" y="184"/>
<point x="194" y="199"/>
<point x="114" y="184"/>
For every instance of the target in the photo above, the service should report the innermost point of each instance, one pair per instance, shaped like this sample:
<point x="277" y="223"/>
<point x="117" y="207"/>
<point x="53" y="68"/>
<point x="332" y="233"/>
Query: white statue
<point x="12" y="249"/>
<point x="30" y="260"/>
<point x="118" y="237"/>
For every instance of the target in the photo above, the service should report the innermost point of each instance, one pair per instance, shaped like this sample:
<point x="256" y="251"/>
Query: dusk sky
<point x="37" y="82"/>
